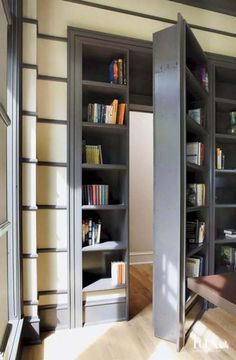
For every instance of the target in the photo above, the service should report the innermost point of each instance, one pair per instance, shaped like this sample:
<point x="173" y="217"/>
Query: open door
<point x="180" y="90"/>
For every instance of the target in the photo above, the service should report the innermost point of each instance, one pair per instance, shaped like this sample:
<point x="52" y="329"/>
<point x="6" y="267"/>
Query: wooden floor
<point x="213" y="337"/>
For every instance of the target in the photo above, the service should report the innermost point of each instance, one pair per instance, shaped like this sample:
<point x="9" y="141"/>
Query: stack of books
<point x="195" y="152"/>
<point x="117" y="72"/>
<point x="107" y="114"/>
<point x="95" y="194"/>
<point x="230" y="233"/>
<point x="196" y="194"/>
<point x="220" y="159"/>
<point x="93" y="154"/>
<point x="195" y="266"/>
<point x="118" y="273"/>
<point x="91" y="232"/>
<point x="195" y="232"/>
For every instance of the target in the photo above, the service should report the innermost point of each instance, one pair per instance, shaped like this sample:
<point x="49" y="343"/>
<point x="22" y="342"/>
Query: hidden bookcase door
<point x="104" y="77"/>
<point x="182" y="175"/>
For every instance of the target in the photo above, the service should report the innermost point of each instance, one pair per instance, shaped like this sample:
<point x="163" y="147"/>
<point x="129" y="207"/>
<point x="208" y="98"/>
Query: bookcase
<point x="224" y="190"/>
<point x="180" y="93"/>
<point x="94" y="296"/>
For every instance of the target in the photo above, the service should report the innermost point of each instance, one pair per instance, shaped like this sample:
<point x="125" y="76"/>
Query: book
<point x="196" y="115"/>
<point x="195" y="195"/>
<point x="220" y="159"/>
<point x="118" y="273"/>
<point x="225" y="258"/>
<point x="195" y="152"/>
<point x="120" y="71"/>
<point x="121" y="113"/>
<point x="93" y="154"/>
<point x="104" y="295"/>
<point x="192" y="267"/>
<point x="230" y="231"/>
<point x="114" y="105"/>
<point x="195" y="232"/>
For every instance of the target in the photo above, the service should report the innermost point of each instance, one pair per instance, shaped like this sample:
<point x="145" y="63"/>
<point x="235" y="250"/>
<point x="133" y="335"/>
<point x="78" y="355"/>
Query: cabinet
<point x="96" y="294"/>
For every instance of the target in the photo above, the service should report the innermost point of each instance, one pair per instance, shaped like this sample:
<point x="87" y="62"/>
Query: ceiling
<point x="222" y="6"/>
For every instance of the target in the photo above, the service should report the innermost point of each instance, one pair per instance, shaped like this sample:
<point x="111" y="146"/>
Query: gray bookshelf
<point x="90" y="54"/>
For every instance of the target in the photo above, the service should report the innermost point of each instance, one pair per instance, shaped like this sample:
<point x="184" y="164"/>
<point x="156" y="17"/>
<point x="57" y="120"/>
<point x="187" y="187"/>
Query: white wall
<point x="141" y="186"/>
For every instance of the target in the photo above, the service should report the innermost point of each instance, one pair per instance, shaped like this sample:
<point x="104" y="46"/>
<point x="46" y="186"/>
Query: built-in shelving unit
<point x="224" y="189"/>
<point x="95" y="296"/>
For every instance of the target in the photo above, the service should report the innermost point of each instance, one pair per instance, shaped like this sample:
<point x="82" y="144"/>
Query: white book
<point x="192" y="267"/>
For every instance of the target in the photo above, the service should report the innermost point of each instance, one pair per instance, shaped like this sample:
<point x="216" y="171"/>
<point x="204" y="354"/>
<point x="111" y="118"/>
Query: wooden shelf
<point x="142" y="108"/>
<point x="225" y="104"/>
<point x="226" y="138"/>
<point x="116" y="167"/>
<point x="194" y="167"/>
<point x="102" y="284"/>
<point x="224" y="240"/>
<point x="194" y="128"/>
<point x="226" y="171"/>
<point x="104" y="207"/>
<point x="104" y="128"/>
<point x="103" y="88"/>
<point x="108" y="245"/>
<point x="193" y="249"/>
<point x="194" y="87"/>
<point x="195" y="208"/>
<point x="225" y="206"/>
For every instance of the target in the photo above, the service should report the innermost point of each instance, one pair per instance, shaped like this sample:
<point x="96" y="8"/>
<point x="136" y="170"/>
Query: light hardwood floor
<point x="213" y="337"/>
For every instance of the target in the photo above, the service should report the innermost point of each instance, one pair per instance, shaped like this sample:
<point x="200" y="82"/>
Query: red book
<point x="94" y="194"/>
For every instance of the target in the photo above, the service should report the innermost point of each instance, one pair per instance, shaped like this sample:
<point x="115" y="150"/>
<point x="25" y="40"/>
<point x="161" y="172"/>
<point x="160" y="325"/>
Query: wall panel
<point x="52" y="142"/>
<point x="52" y="271"/>
<point x="51" y="185"/>
<point x="52" y="57"/>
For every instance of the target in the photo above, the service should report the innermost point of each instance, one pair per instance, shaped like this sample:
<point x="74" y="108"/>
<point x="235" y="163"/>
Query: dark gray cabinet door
<point x="169" y="183"/>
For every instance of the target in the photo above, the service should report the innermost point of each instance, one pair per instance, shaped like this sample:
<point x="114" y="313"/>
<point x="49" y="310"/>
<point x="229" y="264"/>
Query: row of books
<point x="195" y="152"/>
<point x="220" y="159"/>
<point x="91" y="232"/>
<point x="117" y="273"/>
<point x="195" y="266"/>
<point x="107" y="114"/>
<point x="196" y="194"/>
<point x="225" y="258"/>
<point x="195" y="231"/>
<point x="95" y="194"/>
<point x="117" y="72"/>
<point x="92" y="154"/>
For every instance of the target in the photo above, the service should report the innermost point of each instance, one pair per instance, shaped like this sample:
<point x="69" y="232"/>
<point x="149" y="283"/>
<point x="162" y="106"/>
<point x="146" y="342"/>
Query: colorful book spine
<point x="95" y="194"/>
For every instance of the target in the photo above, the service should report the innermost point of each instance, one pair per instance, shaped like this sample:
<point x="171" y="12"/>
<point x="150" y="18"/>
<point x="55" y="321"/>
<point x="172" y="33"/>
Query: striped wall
<point x="44" y="126"/>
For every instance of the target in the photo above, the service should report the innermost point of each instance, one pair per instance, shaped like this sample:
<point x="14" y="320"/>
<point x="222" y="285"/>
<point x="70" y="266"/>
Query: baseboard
<point x="141" y="257"/>
<point x="31" y="332"/>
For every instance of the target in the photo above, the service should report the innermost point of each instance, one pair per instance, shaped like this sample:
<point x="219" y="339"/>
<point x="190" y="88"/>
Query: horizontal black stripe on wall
<point x="52" y="78"/>
<point x="52" y="207"/>
<point x="30" y="302"/>
<point x="150" y="17"/>
<point x="30" y="21"/>
<point x="28" y="113"/>
<point x="51" y="121"/>
<point x="29" y="256"/>
<point x="53" y="306"/>
<point x="29" y="208"/>
<point x="52" y="250"/>
<point x="52" y="292"/>
<point x="29" y="66"/>
<point x="29" y="160"/>
<point x="52" y="163"/>
<point x="51" y="37"/>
